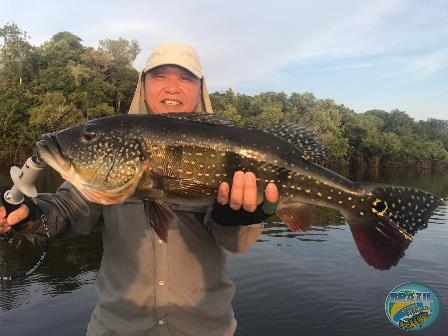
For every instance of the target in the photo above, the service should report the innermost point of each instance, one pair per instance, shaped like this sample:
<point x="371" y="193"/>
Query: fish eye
<point x="89" y="134"/>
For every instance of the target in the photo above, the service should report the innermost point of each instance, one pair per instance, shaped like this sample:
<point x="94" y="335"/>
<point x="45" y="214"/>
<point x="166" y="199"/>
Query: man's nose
<point x="172" y="85"/>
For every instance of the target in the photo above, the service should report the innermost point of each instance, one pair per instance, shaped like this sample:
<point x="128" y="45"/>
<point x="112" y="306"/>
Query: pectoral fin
<point x="159" y="218"/>
<point x="297" y="216"/>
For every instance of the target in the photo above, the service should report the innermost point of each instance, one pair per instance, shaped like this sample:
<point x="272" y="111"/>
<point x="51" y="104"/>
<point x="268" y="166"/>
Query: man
<point x="146" y="286"/>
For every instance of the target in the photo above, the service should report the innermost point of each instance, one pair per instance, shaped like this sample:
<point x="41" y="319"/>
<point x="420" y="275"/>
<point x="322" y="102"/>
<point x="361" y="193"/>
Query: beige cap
<point x="179" y="54"/>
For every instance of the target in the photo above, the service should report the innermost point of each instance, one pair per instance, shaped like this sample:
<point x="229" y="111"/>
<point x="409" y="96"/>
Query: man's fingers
<point x="243" y="192"/>
<point x="236" y="192"/>
<point x="5" y="228"/>
<point x="250" y="192"/>
<point x="2" y="212"/>
<point x="18" y="215"/>
<point x="223" y="193"/>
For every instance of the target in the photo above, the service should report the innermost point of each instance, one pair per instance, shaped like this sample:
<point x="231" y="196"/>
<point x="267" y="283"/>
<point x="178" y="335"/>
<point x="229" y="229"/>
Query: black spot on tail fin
<point x="409" y="208"/>
<point x="390" y="216"/>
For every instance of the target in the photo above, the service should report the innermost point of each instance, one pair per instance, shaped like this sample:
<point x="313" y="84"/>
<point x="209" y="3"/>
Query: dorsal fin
<point x="302" y="138"/>
<point x="299" y="136"/>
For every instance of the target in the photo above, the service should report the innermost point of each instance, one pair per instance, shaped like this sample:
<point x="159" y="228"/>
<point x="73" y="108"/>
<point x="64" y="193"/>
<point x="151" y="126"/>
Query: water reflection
<point x="297" y="286"/>
<point x="18" y="256"/>
<point x="69" y="265"/>
<point x="435" y="181"/>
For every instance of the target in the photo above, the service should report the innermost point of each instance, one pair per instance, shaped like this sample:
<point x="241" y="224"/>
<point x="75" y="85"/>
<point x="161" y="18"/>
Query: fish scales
<point x="209" y="166"/>
<point x="186" y="154"/>
<point x="184" y="158"/>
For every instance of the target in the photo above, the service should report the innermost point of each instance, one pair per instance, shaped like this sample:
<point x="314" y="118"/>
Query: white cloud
<point x="428" y="64"/>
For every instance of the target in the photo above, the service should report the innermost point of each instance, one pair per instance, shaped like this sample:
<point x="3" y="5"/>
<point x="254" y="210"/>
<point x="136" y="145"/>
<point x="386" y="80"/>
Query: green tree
<point x="363" y="134"/>
<point x="265" y="109"/>
<point x="63" y="113"/>
<point x="435" y="129"/>
<point x="15" y="51"/>
<point x="300" y="103"/>
<point x="120" y="72"/>
<point x="58" y="84"/>
<point x="123" y="51"/>
<point x="324" y="117"/>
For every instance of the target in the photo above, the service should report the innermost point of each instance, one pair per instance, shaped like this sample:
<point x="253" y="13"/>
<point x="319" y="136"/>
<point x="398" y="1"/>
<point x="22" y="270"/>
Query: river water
<point x="313" y="283"/>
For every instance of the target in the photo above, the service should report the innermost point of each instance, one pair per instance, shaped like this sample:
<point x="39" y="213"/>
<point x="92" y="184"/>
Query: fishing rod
<point x="24" y="185"/>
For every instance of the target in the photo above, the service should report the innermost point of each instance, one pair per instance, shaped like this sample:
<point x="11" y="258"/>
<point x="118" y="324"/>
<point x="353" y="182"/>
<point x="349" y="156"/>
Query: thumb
<point x="271" y="193"/>
<point x="18" y="215"/>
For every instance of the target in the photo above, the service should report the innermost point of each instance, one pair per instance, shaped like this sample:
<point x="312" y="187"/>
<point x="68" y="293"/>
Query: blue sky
<point x="365" y="54"/>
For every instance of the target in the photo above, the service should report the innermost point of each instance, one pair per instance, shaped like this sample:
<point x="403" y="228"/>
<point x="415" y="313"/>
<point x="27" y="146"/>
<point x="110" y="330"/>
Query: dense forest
<point x="62" y="82"/>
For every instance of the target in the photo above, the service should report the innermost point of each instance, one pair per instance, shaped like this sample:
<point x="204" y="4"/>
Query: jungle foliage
<point x="62" y="82"/>
<point x="58" y="84"/>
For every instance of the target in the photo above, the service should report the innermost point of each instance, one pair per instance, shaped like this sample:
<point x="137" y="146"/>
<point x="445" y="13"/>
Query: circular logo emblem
<point x="413" y="306"/>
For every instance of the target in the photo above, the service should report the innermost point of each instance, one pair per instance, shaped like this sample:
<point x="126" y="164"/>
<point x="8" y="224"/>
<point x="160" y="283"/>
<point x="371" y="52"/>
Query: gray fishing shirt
<point x="146" y="286"/>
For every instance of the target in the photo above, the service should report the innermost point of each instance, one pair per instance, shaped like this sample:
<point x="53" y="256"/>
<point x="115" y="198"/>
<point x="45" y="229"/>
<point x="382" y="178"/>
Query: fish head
<point x="103" y="161"/>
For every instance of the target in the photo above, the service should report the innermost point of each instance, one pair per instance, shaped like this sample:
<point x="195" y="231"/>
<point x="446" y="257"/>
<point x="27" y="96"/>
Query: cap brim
<point x="194" y="71"/>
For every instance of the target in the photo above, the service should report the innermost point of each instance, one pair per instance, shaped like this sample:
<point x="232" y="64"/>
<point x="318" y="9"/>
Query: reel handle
<point x="24" y="182"/>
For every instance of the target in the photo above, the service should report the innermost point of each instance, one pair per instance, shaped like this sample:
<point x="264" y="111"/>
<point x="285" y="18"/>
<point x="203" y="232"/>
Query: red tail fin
<point x="380" y="244"/>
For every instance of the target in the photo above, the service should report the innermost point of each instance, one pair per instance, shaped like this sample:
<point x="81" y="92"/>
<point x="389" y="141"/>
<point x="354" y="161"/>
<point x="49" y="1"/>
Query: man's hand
<point x="243" y="193"/>
<point x="15" y="217"/>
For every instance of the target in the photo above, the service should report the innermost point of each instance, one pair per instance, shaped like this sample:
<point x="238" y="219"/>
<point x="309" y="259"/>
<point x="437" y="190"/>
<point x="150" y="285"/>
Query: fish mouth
<point x="50" y="151"/>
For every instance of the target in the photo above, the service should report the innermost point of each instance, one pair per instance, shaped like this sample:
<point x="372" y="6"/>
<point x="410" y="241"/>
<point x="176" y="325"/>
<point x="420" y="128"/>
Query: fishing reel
<point x="24" y="184"/>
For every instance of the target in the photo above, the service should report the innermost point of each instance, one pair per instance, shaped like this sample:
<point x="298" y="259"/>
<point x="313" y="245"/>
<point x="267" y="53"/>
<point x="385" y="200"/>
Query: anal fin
<point x="297" y="216"/>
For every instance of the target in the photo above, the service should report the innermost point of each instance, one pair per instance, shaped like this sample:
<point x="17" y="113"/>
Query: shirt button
<point x="161" y="282"/>
<point x="161" y="322"/>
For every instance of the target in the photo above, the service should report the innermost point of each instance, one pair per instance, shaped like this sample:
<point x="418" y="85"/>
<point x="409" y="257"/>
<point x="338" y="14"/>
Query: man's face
<point x="169" y="88"/>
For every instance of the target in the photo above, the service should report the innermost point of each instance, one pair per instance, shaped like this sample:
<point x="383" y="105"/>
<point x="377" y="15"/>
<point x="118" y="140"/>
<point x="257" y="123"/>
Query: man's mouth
<point x="171" y="102"/>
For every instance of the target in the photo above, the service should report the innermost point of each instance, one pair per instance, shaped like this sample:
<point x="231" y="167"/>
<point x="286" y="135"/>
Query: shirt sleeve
<point x="67" y="212"/>
<point x="236" y="239"/>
